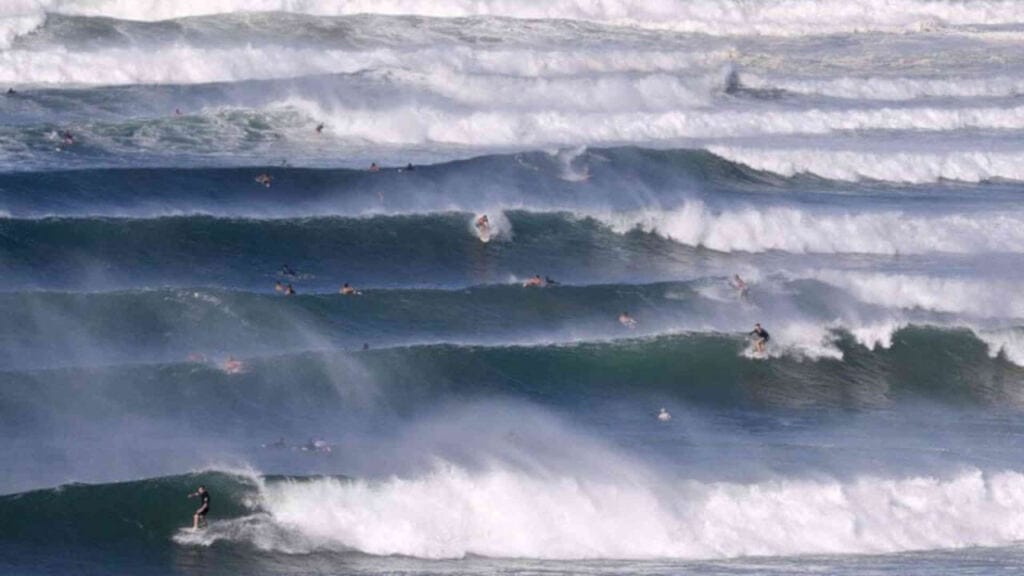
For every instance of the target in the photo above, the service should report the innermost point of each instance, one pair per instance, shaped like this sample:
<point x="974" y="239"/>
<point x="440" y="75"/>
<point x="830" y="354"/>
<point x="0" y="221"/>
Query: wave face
<point x="467" y="286"/>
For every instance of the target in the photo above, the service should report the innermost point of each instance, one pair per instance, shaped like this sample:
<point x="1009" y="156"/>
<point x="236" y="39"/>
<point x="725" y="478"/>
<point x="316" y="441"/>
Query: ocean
<point x="673" y="172"/>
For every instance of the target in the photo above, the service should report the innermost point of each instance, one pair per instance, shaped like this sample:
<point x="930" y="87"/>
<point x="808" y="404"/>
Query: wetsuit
<point x="204" y="508"/>
<point x="762" y="334"/>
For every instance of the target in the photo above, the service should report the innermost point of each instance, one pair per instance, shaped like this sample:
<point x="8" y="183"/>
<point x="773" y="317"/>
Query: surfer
<point x="483" y="226"/>
<point x="740" y="286"/>
<point x="626" y="320"/>
<point x="348" y="290"/>
<point x="204" y="507"/>
<point x="232" y="366"/>
<point x="11" y="92"/>
<point x="289" y="290"/>
<point x="67" y="137"/>
<point x="535" y="282"/>
<point x="549" y="281"/>
<point x="762" y="338"/>
<point x="320" y="128"/>
<point x="374" y="167"/>
<point x="264" y="179"/>
<point x="409" y="167"/>
<point x="278" y="287"/>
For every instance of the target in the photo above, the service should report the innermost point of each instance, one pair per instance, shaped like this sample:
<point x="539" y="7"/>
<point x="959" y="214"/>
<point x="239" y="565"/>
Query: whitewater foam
<point x="795" y="230"/>
<point x="912" y="167"/>
<point x="453" y="512"/>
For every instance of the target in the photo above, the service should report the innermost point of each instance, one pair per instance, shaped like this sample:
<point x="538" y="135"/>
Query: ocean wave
<point x="706" y="16"/>
<point x="888" y="88"/>
<point x="452" y="513"/>
<point x="914" y="167"/>
<point x="504" y="512"/>
<point x="797" y="230"/>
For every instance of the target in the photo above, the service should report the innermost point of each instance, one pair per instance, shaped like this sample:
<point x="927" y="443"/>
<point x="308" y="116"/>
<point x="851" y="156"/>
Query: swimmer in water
<point x="204" y="507"/>
<point x="626" y="320"/>
<point x="348" y="290"/>
<point x="264" y="179"/>
<point x="762" y="338"/>
<point x="374" y="167"/>
<point x="535" y="282"/>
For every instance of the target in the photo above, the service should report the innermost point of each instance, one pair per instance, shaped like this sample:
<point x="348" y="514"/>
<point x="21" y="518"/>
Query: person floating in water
<point x="535" y="282"/>
<point x="626" y="320"/>
<point x="740" y="286"/>
<point x="320" y="128"/>
<point x="762" y="338"/>
<point x="204" y="507"/>
<point x="347" y="290"/>
<point x="264" y="179"/>
<point x="374" y="167"/>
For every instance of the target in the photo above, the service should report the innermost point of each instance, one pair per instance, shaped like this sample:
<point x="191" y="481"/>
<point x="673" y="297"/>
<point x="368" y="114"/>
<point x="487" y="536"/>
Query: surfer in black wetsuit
<point x="762" y="338"/>
<point x="204" y="507"/>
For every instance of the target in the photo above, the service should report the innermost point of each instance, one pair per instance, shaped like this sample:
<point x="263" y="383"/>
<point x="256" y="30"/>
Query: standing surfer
<point x="762" y="338"/>
<point x="204" y="507"/>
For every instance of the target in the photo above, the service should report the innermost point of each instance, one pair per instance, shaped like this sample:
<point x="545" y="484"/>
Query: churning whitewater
<point x="479" y="286"/>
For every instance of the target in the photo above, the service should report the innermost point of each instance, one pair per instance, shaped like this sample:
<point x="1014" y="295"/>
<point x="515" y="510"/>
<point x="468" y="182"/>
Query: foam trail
<point x="452" y="512"/>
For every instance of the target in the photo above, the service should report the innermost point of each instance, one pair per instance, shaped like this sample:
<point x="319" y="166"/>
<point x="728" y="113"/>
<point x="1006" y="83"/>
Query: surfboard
<point x="484" y="233"/>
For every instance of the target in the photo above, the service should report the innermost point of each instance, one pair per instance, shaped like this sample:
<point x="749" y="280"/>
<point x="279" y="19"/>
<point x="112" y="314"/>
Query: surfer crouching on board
<point x="204" y="507"/>
<point x="762" y="338"/>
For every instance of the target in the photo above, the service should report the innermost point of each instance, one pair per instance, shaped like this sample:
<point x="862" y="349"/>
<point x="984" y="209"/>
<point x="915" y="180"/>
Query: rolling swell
<point x="416" y="250"/>
<point x="294" y="394"/>
<point x="615" y="178"/>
